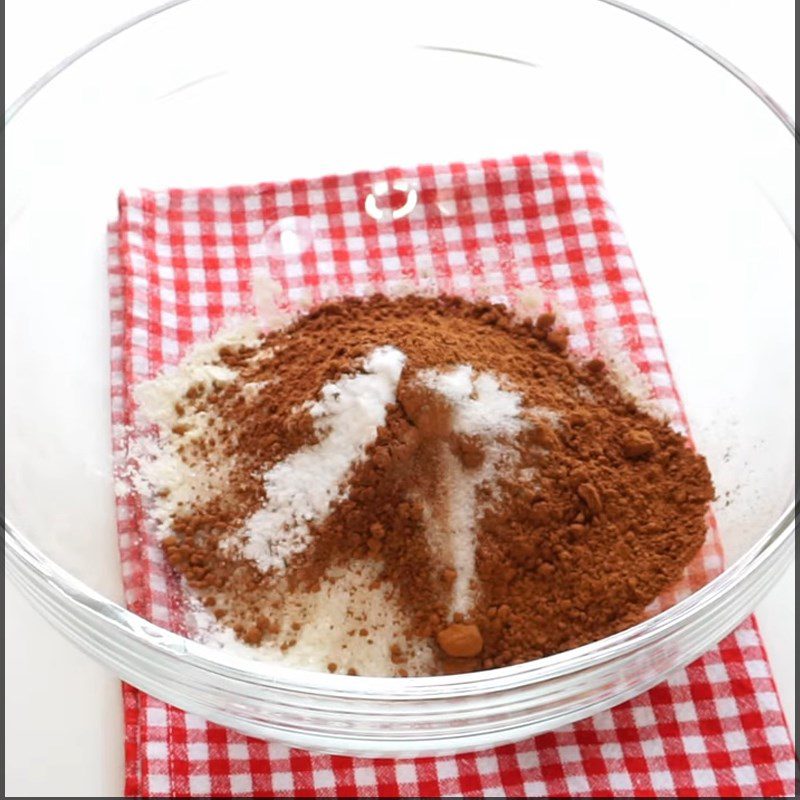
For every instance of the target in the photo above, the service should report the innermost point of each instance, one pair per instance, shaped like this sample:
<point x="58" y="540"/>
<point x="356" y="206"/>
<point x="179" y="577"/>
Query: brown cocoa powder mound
<point x="600" y="515"/>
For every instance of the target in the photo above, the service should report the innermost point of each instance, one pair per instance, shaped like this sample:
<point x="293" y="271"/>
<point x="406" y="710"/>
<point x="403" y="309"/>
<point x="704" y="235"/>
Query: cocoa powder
<point x="598" y="512"/>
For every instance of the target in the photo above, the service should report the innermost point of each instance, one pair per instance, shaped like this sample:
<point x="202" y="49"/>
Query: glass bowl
<point x="699" y="164"/>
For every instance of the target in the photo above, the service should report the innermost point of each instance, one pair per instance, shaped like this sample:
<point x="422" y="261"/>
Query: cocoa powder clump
<point x="638" y="443"/>
<point x="596" y="512"/>
<point x="460" y="641"/>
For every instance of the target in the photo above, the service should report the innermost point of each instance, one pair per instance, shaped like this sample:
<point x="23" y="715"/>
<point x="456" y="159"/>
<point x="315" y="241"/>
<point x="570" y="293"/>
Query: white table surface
<point x="63" y="719"/>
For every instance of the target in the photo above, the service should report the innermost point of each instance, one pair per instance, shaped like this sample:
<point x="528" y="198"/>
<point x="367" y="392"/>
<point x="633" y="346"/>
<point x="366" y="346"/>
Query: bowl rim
<point x="778" y="537"/>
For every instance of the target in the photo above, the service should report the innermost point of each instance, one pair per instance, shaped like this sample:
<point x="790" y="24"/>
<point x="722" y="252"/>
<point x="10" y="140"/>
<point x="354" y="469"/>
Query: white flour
<point x="156" y="398"/>
<point x="302" y="488"/>
<point x="349" y="599"/>
<point x="480" y="406"/>
<point x="154" y="468"/>
<point x="495" y="415"/>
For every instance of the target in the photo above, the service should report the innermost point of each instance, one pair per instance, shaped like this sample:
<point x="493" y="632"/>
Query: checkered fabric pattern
<point x="182" y="261"/>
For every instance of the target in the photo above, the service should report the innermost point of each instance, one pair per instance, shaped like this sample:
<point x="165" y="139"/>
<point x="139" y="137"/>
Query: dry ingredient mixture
<point x="415" y="486"/>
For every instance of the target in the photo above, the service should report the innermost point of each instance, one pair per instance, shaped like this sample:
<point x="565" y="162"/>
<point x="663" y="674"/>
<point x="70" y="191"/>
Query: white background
<point x="63" y="717"/>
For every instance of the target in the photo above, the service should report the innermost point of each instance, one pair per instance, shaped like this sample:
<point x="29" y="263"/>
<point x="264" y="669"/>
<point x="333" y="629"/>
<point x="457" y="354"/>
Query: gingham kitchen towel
<point x="182" y="261"/>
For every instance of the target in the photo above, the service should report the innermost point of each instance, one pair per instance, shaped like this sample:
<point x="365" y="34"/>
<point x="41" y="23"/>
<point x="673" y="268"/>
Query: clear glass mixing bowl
<point x="699" y="164"/>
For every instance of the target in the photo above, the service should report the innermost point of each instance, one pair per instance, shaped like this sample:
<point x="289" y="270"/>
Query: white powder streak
<point x="461" y="524"/>
<point x="480" y="408"/>
<point x="303" y="487"/>
<point x="630" y="380"/>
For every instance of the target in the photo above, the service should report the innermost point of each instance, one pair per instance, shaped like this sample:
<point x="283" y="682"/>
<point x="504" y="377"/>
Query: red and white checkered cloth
<point x="180" y="262"/>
